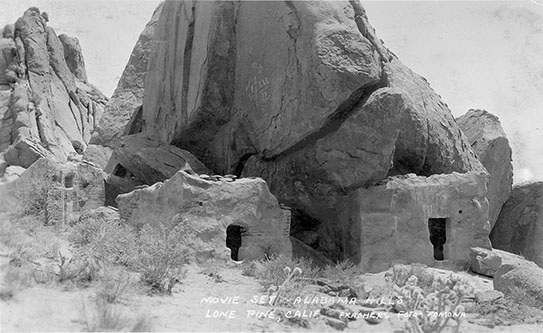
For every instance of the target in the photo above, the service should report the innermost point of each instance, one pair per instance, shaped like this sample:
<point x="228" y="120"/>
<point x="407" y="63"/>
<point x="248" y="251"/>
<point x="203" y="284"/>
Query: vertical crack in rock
<point x="187" y="58"/>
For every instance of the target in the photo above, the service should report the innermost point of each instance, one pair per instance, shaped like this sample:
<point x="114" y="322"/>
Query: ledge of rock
<point x="152" y="161"/>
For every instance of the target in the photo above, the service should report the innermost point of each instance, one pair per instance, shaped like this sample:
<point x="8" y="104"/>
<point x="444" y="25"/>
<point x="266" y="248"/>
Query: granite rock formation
<point x="239" y="219"/>
<point x="519" y="228"/>
<point x="128" y="96"/>
<point x="487" y="138"/>
<point x="331" y="111"/>
<point x="47" y="109"/>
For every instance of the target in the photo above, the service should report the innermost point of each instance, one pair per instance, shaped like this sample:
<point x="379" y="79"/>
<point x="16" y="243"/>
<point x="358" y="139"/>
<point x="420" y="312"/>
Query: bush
<point x="101" y="240"/>
<point x="344" y="272"/>
<point x="161" y="256"/>
<point x="272" y="272"/>
<point x="31" y="198"/>
<point x="116" y="284"/>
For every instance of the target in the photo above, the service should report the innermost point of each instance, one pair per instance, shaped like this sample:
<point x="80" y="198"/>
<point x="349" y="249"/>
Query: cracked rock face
<point x="519" y="228"/>
<point x="303" y="94"/>
<point x="486" y="136"/>
<point x="128" y="96"/>
<point x="47" y="108"/>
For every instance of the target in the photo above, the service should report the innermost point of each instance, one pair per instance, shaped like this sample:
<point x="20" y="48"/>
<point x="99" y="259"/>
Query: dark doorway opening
<point x="69" y="181"/>
<point x="438" y="236"/>
<point x="233" y="239"/>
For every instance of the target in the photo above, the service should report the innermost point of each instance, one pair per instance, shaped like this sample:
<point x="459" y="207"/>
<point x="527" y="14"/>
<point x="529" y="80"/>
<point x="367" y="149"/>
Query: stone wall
<point x="389" y="222"/>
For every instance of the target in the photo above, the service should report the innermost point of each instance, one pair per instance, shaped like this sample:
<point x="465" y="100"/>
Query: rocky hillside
<point x="48" y="109"/>
<point x="333" y="110"/>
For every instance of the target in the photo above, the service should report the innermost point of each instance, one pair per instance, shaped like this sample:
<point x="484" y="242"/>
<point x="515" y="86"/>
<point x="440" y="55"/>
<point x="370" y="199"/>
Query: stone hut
<point x="411" y="218"/>
<point x="72" y="188"/>
<point x="235" y="220"/>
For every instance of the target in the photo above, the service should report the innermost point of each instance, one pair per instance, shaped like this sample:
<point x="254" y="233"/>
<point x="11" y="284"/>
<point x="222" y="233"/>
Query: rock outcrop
<point x="70" y="188"/>
<point x="128" y="96"/>
<point x="74" y="57"/>
<point x="519" y="228"/>
<point x="484" y="261"/>
<point x="152" y="161"/>
<point x="487" y="138"/>
<point x="47" y="109"/>
<point x="525" y="277"/>
<point x="488" y="261"/>
<point x="318" y="108"/>
<point x="239" y="219"/>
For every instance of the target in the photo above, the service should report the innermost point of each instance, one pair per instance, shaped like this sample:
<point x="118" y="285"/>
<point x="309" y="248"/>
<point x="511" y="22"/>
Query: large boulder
<point x="51" y="112"/>
<point x="488" y="261"/>
<point x="487" y="137"/>
<point x="484" y="261"/>
<point x="523" y="277"/>
<point x="519" y="228"/>
<point x="331" y="111"/>
<point x="152" y="161"/>
<point x="238" y="219"/>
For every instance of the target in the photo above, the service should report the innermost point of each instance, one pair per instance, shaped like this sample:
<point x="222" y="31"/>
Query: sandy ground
<point x="49" y="308"/>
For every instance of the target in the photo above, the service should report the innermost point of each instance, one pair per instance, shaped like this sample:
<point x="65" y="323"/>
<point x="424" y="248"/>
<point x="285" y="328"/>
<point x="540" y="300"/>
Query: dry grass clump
<point x="272" y="272"/>
<point x="104" y="316"/>
<point x="116" y="284"/>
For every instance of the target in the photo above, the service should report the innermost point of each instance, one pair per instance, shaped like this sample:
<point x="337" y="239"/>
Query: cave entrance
<point x="234" y="233"/>
<point x="438" y="235"/>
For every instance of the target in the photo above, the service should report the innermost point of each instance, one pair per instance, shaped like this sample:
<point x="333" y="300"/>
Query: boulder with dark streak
<point x="318" y="108"/>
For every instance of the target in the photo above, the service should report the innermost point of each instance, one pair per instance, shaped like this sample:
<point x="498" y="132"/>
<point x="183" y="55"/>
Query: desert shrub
<point x="402" y="273"/>
<point x="272" y="272"/>
<point x="116" y="283"/>
<point x="103" y="241"/>
<point x="161" y="256"/>
<point x="31" y="198"/>
<point x="105" y="316"/>
<point x="344" y="272"/>
<point x="433" y="307"/>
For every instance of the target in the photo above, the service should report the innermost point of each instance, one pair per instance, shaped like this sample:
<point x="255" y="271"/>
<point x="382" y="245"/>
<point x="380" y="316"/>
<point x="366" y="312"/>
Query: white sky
<point x="476" y="54"/>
